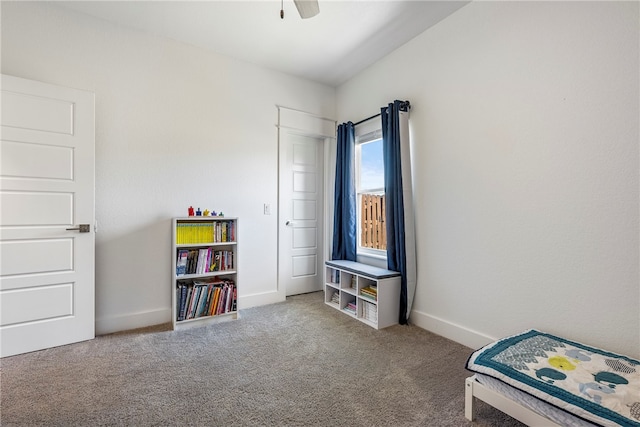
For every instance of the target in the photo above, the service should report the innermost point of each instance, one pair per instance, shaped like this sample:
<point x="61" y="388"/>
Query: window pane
<point x="371" y="165"/>
<point x="373" y="233"/>
<point x="371" y="215"/>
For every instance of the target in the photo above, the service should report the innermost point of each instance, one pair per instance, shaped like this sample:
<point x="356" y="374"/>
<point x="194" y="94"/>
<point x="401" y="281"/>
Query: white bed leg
<point x="468" y="398"/>
<point x="475" y="390"/>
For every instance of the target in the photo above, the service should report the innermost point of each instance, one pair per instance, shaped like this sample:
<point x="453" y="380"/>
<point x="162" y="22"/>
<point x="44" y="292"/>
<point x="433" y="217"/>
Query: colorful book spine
<point x="369" y="292"/>
<point x="206" y="298"/>
<point x="194" y="232"/>
<point x="181" y="263"/>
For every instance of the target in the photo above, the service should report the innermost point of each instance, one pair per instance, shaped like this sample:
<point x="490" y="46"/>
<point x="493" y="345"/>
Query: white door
<point x="46" y="188"/>
<point x="301" y="196"/>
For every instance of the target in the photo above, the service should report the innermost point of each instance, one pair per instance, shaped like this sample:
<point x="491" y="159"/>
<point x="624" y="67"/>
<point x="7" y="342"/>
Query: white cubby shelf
<point x="367" y="293"/>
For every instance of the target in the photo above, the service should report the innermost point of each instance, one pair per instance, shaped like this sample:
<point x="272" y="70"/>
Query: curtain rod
<point x="367" y="119"/>
<point x="404" y="106"/>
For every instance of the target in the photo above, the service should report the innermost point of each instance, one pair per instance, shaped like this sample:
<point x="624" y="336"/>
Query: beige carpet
<point x="296" y="363"/>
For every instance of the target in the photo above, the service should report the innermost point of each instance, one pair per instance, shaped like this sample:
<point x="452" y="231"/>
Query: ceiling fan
<point x="306" y="8"/>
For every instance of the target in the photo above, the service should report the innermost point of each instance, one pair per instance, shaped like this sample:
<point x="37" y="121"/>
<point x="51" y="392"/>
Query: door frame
<point x="314" y="126"/>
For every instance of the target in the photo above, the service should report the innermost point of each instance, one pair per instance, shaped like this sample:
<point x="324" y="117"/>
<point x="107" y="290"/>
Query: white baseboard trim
<point x="125" y="322"/>
<point x="255" y="300"/>
<point x="460" y="334"/>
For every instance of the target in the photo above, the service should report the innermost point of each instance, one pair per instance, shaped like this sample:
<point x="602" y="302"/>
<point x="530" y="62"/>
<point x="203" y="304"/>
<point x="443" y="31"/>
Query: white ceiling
<point x="345" y="38"/>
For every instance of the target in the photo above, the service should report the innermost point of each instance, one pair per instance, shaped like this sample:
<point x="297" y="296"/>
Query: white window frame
<point x="366" y="132"/>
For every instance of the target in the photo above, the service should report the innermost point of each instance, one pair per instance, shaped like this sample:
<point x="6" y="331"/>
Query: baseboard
<point x="125" y="322"/>
<point x="255" y="300"/>
<point x="460" y="334"/>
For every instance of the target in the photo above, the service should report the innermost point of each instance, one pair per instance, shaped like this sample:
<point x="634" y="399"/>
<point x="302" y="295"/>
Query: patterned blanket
<point x="593" y="384"/>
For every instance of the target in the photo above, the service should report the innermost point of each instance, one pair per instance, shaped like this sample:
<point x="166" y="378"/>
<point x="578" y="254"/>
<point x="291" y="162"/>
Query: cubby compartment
<point x="333" y="276"/>
<point x="349" y="283"/>
<point x="332" y="295"/>
<point x="348" y="304"/>
<point x="368" y="289"/>
<point x="368" y="312"/>
<point x="369" y="294"/>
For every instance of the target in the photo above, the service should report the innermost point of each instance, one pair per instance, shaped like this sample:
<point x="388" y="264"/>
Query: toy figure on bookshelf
<point x="198" y="212"/>
<point x="213" y="213"/>
<point x="206" y="212"/>
<point x="191" y="211"/>
<point x="220" y="214"/>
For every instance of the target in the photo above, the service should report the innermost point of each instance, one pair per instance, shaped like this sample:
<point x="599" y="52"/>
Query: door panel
<point x="32" y="112"/>
<point x="304" y="210"/>
<point x="305" y="182"/>
<point x="23" y="257"/>
<point x="301" y="208"/>
<point x="304" y="266"/>
<point x="46" y="187"/>
<point x="36" y="161"/>
<point x="44" y="302"/>
<point x="22" y="208"/>
<point x="304" y="237"/>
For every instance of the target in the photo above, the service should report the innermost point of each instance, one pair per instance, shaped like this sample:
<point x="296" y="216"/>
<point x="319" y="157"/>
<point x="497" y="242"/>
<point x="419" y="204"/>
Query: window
<point x="370" y="192"/>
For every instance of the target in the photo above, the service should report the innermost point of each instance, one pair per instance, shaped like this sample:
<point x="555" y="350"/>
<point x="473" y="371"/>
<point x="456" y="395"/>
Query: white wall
<point x="175" y="126"/>
<point x="525" y="130"/>
<point x="525" y="141"/>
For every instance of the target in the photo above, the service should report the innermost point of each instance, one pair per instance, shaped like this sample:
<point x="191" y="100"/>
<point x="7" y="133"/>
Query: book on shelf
<point x="214" y="305"/>
<point x="234" y="302"/>
<point x="183" y="291"/>
<point x="334" y="276"/>
<point x="369" y="311"/>
<point x="224" y="231"/>
<point x="370" y="292"/>
<point x="335" y="298"/>
<point x="195" y="292"/>
<point x="181" y="264"/>
<point x="203" y="261"/>
<point x="206" y="298"/>
<point x="222" y="260"/>
<point x="205" y="232"/>
<point x="350" y="308"/>
<point x="194" y="232"/>
<point x="202" y="303"/>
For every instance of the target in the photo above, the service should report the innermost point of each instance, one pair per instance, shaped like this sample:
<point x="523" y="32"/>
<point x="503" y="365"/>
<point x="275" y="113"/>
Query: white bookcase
<point x="348" y="288"/>
<point x="204" y="283"/>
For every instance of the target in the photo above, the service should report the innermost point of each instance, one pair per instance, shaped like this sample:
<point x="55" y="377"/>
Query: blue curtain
<point x="344" y="217"/>
<point x="395" y="204"/>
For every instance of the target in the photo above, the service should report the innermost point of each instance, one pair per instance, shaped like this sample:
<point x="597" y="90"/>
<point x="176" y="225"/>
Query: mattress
<point x="541" y="407"/>
<point x="593" y="385"/>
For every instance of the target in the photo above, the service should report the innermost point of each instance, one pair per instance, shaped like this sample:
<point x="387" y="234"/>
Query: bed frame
<point x="473" y="389"/>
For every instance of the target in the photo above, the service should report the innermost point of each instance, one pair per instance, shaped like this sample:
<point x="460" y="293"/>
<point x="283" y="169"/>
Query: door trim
<point x="307" y="124"/>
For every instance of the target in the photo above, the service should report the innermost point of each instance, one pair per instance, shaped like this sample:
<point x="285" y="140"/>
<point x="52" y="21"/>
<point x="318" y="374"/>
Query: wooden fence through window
<point x="373" y="231"/>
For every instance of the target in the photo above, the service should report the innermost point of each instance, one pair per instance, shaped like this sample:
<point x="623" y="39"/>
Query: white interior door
<point x="301" y="210"/>
<point x="46" y="188"/>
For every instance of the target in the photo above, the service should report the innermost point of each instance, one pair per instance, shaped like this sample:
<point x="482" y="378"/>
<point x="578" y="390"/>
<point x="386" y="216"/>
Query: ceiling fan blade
<point x="307" y="8"/>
